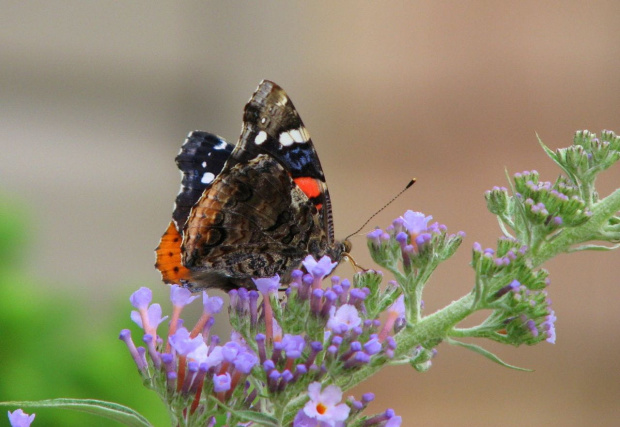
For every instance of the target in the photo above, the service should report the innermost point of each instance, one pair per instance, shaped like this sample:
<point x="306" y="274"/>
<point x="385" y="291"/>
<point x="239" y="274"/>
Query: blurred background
<point x="97" y="97"/>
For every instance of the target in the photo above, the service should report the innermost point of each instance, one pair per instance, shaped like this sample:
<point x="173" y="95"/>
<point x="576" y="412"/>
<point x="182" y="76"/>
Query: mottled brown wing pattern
<point x="253" y="222"/>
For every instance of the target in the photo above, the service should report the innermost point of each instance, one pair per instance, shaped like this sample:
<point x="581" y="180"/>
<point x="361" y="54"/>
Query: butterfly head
<point x="339" y="250"/>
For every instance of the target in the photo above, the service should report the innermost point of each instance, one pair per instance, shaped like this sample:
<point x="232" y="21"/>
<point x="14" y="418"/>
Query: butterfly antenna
<point x="384" y="206"/>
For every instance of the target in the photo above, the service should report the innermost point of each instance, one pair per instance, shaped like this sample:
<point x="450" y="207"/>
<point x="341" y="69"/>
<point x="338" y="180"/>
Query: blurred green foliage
<point x="52" y="344"/>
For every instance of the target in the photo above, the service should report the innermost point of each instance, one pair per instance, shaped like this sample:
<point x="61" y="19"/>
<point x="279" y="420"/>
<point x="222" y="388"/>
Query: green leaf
<point x="556" y="158"/>
<point x="548" y="150"/>
<point x="256" y="417"/>
<point x="485" y="353"/>
<point x="111" y="410"/>
<point x="594" y="248"/>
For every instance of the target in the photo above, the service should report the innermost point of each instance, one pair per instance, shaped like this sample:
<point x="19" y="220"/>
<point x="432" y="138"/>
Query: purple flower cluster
<point x="413" y="232"/>
<point x="337" y="333"/>
<point x="192" y="362"/>
<point x="415" y="238"/>
<point x="328" y="330"/>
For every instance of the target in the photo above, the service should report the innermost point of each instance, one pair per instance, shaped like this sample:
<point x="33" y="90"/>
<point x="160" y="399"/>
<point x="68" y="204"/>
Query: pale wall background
<point x="96" y="98"/>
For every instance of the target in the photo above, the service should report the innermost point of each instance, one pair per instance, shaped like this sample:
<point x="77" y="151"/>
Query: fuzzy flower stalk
<point x="292" y="355"/>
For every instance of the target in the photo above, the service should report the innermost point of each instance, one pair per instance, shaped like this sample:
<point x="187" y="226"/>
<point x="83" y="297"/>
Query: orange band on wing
<point x="169" y="257"/>
<point x="311" y="188"/>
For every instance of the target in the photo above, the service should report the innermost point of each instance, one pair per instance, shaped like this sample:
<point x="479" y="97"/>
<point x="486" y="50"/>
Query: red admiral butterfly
<point x="253" y="210"/>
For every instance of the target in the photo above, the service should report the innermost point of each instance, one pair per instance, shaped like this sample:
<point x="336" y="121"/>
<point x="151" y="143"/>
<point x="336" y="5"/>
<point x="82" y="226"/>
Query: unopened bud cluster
<point x="410" y="243"/>
<point x="541" y="206"/>
<point x="516" y="294"/>
<point x="589" y="155"/>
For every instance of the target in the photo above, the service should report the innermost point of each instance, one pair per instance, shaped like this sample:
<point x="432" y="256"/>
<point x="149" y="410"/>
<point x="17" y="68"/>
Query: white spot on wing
<point x="204" y="164"/>
<point x="260" y="138"/>
<point x="296" y="135"/>
<point x="300" y="136"/>
<point x="207" y="178"/>
<point x="220" y="146"/>
<point x="286" y="139"/>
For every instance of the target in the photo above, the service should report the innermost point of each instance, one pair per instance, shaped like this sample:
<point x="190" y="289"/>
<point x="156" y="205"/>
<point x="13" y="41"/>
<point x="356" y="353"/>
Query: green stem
<point x="279" y="413"/>
<point x="433" y="327"/>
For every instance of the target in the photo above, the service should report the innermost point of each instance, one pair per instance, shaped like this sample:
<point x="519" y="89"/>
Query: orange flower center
<point x="321" y="409"/>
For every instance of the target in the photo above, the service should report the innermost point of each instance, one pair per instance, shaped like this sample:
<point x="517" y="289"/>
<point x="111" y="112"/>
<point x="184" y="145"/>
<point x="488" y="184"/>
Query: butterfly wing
<point x="271" y="125"/>
<point x="201" y="159"/>
<point x="263" y="213"/>
<point x="253" y="222"/>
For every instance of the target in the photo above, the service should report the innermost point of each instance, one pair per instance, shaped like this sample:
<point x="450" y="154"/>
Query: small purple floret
<point x="293" y="345"/>
<point x="415" y="222"/>
<point x="221" y="382"/>
<point x="141" y="298"/>
<point x="245" y="362"/>
<point x="18" y="418"/>
<point x="375" y="236"/>
<point x="212" y="305"/>
<point x="181" y="297"/>
<point x="268" y="365"/>
<point x="267" y="285"/>
<point x="372" y="346"/>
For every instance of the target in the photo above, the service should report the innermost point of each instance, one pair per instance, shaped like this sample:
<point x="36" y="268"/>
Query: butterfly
<point x="252" y="210"/>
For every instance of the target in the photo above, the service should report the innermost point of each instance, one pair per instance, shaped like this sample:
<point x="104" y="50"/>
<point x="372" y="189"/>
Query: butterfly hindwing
<point x="168" y="254"/>
<point x="253" y="222"/>
<point x="201" y="159"/>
